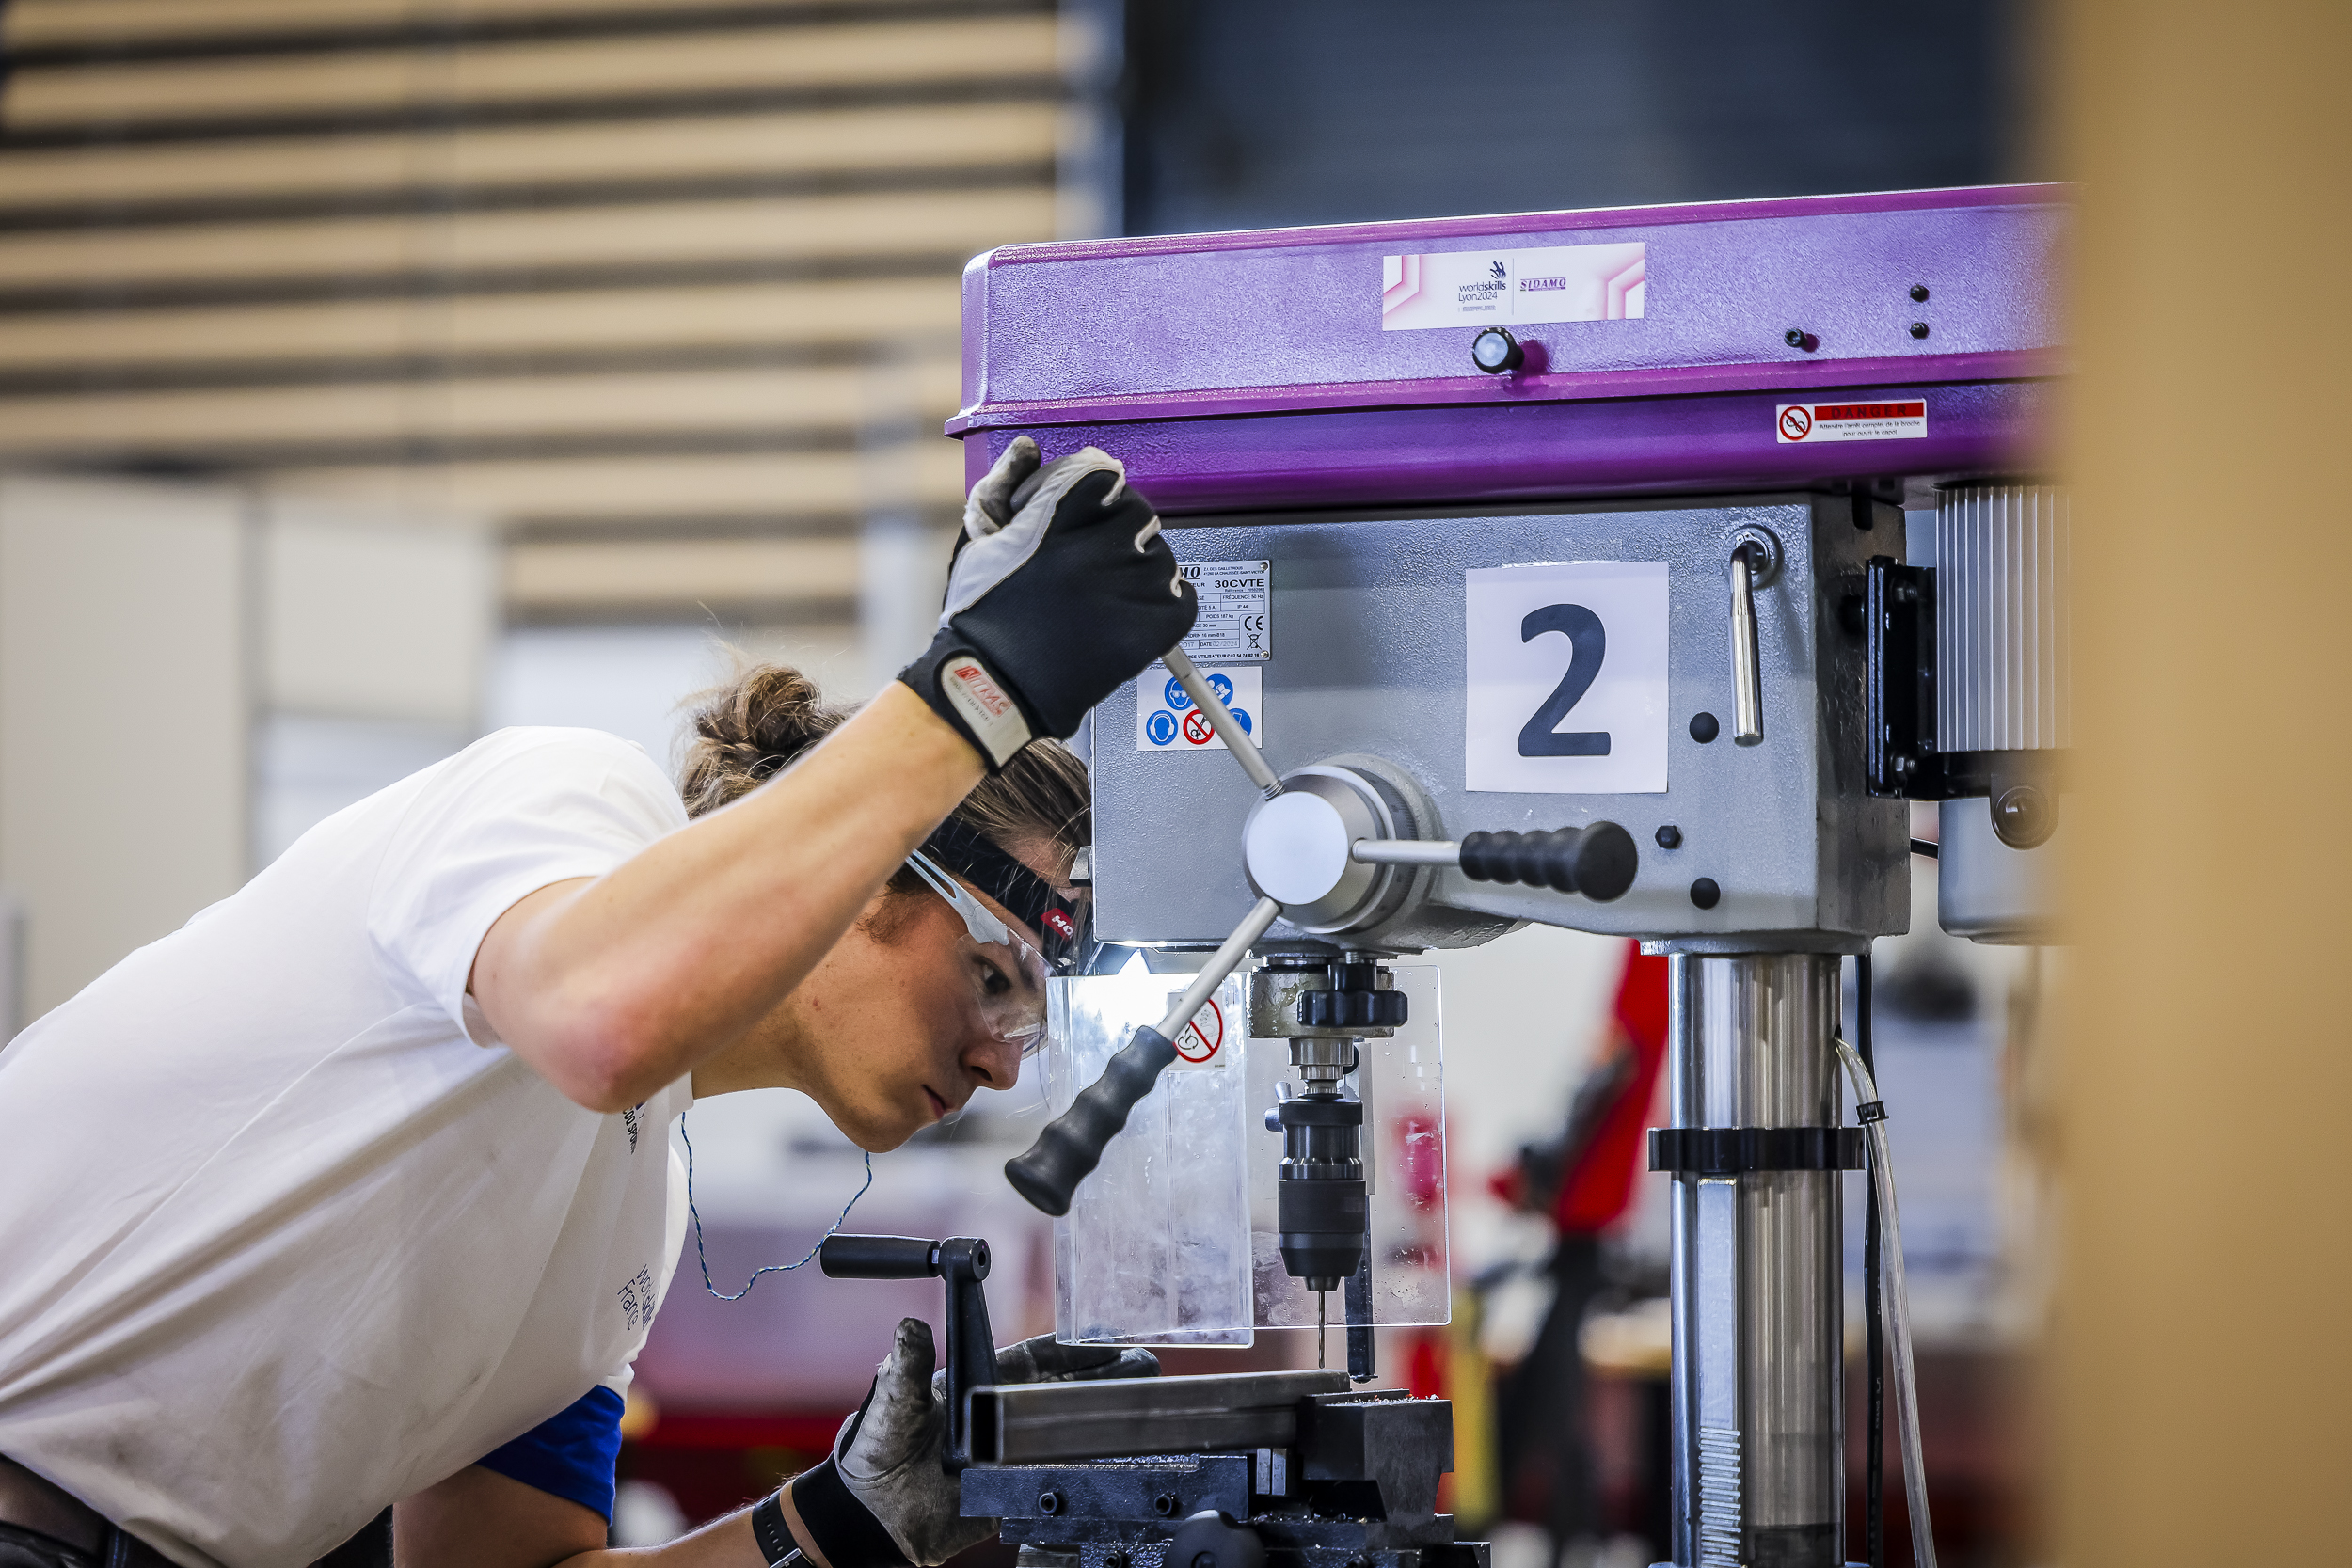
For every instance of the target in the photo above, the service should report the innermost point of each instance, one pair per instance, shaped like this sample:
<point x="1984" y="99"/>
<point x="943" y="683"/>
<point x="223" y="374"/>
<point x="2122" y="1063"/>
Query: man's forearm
<point x="725" y="1542"/>
<point x="616" y="987"/>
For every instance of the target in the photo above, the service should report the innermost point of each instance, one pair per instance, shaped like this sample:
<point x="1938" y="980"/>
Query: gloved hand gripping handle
<point x="961" y="1263"/>
<point x="1072" y="1145"/>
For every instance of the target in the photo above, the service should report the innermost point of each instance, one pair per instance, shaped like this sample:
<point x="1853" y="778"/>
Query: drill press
<point x="1587" y="606"/>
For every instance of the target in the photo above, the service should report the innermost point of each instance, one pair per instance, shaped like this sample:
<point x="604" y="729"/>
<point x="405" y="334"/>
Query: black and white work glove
<point x="1061" y="591"/>
<point x="885" y="1498"/>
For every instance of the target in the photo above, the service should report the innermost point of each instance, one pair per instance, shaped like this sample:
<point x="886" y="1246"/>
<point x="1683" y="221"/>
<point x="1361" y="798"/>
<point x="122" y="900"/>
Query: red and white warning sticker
<point x="1202" y="1043"/>
<point x="1814" y="422"/>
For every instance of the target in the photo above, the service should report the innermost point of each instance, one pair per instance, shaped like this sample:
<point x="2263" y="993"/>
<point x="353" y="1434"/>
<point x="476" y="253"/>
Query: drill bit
<point x="1322" y="1301"/>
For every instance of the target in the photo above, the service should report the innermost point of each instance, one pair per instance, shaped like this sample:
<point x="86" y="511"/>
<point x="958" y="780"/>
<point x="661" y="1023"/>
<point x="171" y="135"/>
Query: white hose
<point x="1897" y="1302"/>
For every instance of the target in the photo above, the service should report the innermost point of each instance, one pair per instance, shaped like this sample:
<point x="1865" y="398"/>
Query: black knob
<point x="2024" y="816"/>
<point x="1597" y="862"/>
<point x="1919" y="291"/>
<point x="1351" y="1009"/>
<point x="1918" y="329"/>
<point x="1496" y="350"/>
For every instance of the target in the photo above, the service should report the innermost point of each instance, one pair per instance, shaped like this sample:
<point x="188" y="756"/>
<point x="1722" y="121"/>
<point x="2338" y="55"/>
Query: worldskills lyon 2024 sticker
<point x="1167" y="720"/>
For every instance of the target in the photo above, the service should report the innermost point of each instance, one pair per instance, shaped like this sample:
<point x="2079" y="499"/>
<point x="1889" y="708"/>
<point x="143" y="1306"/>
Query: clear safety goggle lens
<point x="1008" y="975"/>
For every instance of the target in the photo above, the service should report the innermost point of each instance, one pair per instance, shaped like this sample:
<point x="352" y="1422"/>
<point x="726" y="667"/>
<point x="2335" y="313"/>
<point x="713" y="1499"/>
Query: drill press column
<point x="1759" y="1388"/>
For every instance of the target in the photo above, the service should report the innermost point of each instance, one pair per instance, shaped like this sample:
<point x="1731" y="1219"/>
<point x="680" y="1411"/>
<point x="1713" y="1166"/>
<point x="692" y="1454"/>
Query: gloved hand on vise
<point x="1060" y="591"/>
<point x="884" y="1497"/>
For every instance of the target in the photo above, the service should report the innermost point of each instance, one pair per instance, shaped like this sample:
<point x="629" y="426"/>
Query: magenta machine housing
<point x="1561" y="520"/>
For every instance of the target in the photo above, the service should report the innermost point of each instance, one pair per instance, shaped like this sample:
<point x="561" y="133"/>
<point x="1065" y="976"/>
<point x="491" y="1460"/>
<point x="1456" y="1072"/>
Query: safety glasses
<point x="1006" y="974"/>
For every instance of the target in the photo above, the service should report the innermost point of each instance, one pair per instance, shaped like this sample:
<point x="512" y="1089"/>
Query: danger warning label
<point x="1814" y="422"/>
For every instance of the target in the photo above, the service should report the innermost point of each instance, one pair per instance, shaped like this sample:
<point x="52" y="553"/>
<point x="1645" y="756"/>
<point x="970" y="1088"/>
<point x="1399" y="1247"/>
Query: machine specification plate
<point x="1483" y="288"/>
<point x="1566" y="678"/>
<point x="1234" y="624"/>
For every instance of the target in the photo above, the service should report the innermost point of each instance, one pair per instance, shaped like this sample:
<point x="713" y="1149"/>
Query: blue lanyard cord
<point x="771" y="1268"/>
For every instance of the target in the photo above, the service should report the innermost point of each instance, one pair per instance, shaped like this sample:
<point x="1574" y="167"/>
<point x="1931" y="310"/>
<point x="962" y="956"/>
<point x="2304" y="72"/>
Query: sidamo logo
<point x="1541" y="285"/>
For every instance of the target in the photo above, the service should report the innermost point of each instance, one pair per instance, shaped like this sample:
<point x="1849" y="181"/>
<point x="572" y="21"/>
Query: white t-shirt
<point x="286" y="1233"/>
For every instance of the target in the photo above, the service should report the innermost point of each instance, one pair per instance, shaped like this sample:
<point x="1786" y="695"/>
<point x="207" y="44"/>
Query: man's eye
<point x="992" y="980"/>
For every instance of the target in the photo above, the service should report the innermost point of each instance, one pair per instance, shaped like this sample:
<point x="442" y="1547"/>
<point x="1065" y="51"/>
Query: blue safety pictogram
<point x="1223" y="687"/>
<point x="1241" y="716"/>
<point x="1176" y="696"/>
<point x="1160" y="727"/>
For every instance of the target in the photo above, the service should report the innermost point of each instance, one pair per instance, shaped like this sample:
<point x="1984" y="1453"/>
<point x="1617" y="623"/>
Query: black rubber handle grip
<point x="1597" y="862"/>
<point x="877" y="1257"/>
<point x="1072" y="1145"/>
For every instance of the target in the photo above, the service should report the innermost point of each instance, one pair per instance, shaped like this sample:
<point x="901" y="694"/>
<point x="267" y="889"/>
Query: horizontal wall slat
<point x="837" y="139"/>
<point x="920" y="473"/>
<point x="638" y="573"/>
<point x="153" y="425"/>
<point x="748" y="231"/>
<point x="162" y="26"/>
<point x="735" y="317"/>
<point x="339" y="83"/>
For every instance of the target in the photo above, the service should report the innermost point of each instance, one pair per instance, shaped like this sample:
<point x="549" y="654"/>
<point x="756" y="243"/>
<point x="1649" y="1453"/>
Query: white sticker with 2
<point x="1568" y="679"/>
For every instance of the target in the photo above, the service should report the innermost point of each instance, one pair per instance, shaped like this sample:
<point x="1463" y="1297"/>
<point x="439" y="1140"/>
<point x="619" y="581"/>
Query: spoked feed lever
<point x="1299" y="850"/>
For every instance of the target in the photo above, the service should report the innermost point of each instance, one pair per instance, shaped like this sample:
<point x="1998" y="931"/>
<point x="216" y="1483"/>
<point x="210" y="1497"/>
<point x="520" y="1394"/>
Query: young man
<point x="355" y="1190"/>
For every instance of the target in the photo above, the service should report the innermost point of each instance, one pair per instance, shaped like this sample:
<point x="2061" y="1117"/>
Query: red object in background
<point x="1596" y="1191"/>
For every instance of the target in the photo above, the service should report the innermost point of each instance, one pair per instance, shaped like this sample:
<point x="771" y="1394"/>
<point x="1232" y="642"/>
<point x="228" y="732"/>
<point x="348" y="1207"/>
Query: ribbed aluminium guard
<point x="2003" y="670"/>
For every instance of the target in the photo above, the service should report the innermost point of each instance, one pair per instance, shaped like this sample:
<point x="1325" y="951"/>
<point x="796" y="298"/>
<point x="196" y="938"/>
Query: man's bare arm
<point x="612" y="987"/>
<point x="481" y="1519"/>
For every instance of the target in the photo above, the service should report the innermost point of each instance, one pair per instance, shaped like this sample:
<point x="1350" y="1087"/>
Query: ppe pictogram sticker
<point x="1199" y="1041"/>
<point x="1168" y="720"/>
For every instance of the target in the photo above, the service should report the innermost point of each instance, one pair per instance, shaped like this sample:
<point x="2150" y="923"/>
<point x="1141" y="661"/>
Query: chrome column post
<point x="1758" y="1354"/>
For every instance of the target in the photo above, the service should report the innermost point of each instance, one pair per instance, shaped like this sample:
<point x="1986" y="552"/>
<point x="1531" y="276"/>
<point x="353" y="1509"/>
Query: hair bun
<point x="751" y="729"/>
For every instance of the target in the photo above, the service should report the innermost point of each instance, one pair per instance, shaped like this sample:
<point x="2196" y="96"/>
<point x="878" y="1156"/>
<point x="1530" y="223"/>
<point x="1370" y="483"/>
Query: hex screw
<point x="1164" y="1505"/>
<point x="1918" y="329"/>
<point x="1669" y="836"/>
<point x="1919" y="293"/>
<point x="1704" y="894"/>
<point x="1049" y="1502"/>
<point x="1796" y="337"/>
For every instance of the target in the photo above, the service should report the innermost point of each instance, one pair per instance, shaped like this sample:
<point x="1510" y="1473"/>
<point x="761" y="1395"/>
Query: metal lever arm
<point x="1221" y="719"/>
<point x="1747" y="689"/>
<point x="1073" y="1143"/>
<point x="1598" y="861"/>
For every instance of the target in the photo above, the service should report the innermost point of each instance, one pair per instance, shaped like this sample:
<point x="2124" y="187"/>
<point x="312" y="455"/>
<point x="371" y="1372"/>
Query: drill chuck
<point x="1320" y="1202"/>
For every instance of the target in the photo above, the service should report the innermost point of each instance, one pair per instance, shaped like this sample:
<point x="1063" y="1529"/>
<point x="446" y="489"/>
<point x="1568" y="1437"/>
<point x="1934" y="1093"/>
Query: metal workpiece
<point x="1370" y="677"/>
<point x="1035" y="1423"/>
<point x="1757" y="1390"/>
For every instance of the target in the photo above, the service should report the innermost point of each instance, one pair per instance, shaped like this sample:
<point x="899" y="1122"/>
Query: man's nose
<point x="995" y="1063"/>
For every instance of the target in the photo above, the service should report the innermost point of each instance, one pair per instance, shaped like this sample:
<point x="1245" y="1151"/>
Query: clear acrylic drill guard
<point x="1402" y="1082"/>
<point x="1155" y="1247"/>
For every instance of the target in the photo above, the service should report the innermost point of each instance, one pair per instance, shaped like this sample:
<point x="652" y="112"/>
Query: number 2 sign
<point x="1568" y="679"/>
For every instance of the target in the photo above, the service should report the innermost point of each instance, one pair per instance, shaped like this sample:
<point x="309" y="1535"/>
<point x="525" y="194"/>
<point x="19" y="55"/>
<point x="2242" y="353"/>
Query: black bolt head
<point x="1496" y="350"/>
<point x="1669" y="836"/>
<point x="1705" y="727"/>
<point x="1918" y="329"/>
<point x="1115" y="1560"/>
<point x="1164" y="1505"/>
<point x="1704" y="894"/>
<point x="1795" y="337"/>
<point x="1919" y="291"/>
<point x="1049" y="1502"/>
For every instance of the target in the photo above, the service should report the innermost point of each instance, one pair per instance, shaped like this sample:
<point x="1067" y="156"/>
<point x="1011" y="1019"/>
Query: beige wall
<point x="2207" y="1272"/>
<point x="124" y="715"/>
